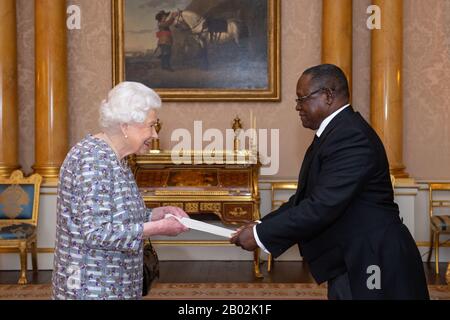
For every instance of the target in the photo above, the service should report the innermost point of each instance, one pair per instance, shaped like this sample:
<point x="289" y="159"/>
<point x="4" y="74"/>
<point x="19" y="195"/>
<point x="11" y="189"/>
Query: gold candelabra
<point x="156" y="147"/>
<point x="237" y="127"/>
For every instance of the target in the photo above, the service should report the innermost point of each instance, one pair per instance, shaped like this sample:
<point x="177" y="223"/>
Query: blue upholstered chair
<point x="19" y="206"/>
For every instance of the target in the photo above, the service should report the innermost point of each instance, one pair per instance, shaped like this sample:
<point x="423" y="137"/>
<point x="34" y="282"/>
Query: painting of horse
<point x="208" y="31"/>
<point x="184" y="48"/>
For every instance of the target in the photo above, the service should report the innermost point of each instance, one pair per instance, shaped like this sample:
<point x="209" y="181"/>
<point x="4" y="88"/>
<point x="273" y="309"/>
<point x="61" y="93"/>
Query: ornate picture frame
<point x="219" y="51"/>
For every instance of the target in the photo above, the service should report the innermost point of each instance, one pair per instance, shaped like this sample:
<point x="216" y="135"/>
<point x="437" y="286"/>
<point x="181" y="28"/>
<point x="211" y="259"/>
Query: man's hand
<point x="244" y="237"/>
<point x="160" y="213"/>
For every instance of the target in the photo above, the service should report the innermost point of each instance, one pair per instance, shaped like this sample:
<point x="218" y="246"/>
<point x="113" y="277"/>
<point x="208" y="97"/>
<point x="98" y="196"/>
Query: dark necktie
<point x="308" y="157"/>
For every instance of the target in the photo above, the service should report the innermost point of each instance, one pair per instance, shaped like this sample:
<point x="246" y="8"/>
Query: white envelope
<point x="202" y="226"/>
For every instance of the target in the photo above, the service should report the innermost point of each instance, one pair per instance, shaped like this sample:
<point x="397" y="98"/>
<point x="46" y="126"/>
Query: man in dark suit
<point x="343" y="215"/>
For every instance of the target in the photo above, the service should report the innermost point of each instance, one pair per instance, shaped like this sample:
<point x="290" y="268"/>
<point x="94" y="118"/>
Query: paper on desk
<point x="202" y="226"/>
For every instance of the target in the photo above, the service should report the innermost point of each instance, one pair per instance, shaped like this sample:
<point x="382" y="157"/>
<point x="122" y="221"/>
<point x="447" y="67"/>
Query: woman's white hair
<point x="128" y="102"/>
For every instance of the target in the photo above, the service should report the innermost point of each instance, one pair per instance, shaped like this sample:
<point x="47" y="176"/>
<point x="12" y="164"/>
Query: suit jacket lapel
<point x="307" y="160"/>
<point x="330" y="127"/>
<point x="309" y="155"/>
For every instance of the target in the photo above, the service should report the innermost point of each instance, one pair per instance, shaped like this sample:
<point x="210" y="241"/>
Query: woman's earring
<point x="126" y="137"/>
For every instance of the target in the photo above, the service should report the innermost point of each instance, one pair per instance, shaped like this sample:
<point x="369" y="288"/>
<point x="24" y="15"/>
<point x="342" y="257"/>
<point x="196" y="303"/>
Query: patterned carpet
<point x="211" y="291"/>
<point x="243" y="291"/>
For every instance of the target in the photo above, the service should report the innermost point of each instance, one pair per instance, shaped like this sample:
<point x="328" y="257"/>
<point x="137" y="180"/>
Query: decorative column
<point x="9" y="131"/>
<point x="337" y="35"/>
<point x="51" y="137"/>
<point x="386" y="104"/>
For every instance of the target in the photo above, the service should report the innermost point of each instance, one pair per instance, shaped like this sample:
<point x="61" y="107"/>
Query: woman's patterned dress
<point x="99" y="230"/>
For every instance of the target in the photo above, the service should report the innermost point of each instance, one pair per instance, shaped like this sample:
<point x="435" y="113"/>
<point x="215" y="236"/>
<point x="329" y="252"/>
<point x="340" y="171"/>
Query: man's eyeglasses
<point x="303" y="99"/>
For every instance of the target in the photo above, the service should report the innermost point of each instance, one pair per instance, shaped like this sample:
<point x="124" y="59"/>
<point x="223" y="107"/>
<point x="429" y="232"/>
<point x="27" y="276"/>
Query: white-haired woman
<point x="101" y="217"/>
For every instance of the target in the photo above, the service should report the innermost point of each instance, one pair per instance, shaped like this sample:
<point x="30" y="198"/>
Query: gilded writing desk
<point x="223" y="183"/>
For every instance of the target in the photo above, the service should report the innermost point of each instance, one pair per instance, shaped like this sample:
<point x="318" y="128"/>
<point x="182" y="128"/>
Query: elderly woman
<point x="101" y="217"/>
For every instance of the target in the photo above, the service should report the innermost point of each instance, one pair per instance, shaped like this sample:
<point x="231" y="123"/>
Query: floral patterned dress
<point x="99" y="231"/>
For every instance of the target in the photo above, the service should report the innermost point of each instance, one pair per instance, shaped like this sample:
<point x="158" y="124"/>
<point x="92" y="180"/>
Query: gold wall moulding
<point x="50" y="174"/>
<point x="5" y="171"/>
<point x="47" y="171"/>
<point x="399" y="172"/>
<point x="39" y="250"/>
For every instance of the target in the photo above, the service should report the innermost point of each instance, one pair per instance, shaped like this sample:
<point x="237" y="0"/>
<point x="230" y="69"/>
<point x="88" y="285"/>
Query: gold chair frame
<point x="435" y="232"/>
<point x="278" y="186"/>
<point x="393" y="181"/>
<point x="29" y="243"/>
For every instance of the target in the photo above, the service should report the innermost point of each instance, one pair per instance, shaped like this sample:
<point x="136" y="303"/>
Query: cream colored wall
<point x="25" y="61"/>
<point x="427" y="88"/>
<point x="426" y="79"/>
<point x="361" y="59"/>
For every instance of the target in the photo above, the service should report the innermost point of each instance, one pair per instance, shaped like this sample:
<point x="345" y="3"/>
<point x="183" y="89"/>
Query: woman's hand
<point x="164" y="227"/>
<point x="160" y="213"/>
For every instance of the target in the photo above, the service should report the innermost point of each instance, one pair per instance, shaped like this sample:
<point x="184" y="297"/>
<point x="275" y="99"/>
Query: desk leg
<point x="447" y="274"/>
<point x="256" y="269"/>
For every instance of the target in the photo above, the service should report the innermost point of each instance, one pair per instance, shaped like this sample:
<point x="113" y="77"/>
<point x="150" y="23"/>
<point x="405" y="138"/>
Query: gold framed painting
<point x="199" y="50"/>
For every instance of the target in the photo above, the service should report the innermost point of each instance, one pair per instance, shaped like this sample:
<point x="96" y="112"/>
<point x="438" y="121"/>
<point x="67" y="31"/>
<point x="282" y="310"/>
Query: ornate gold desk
<point x="227" y="188"/>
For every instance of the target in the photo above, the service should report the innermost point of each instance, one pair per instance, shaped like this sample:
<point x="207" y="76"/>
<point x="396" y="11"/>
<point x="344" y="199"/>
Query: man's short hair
<point x="329" y="76"/>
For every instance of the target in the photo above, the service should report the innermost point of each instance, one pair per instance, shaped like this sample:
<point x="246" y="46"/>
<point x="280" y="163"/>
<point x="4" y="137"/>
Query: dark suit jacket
<point x="344" y="218"/>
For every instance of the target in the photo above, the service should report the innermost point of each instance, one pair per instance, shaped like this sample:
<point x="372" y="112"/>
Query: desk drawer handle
<point x="238" y="212"/>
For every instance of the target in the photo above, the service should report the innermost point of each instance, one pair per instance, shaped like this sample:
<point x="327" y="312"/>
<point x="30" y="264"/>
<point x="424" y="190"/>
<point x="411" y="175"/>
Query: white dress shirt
<point x="319" y="132"/>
